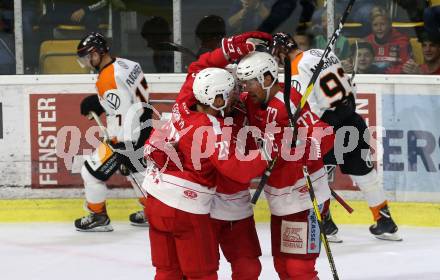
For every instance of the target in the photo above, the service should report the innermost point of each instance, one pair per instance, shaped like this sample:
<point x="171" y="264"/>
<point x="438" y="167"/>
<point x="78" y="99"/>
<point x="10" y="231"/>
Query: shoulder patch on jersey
<point x="294" y="64"/>
<point x="113" y="100"/>
<point x="106" y="80"/>
<point x="122" y="64"/>
<point x="316" y="52"/>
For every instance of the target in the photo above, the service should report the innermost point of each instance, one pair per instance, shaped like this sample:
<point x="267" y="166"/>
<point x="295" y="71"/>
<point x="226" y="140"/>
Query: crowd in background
<point x="384" y="37"/>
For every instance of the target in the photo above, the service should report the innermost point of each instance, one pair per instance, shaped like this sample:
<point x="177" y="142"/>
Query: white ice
<point x="52" y="251"/>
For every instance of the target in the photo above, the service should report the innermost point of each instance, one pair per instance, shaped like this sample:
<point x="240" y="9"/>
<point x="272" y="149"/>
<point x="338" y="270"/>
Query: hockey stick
<point x="321" y="227"/>
<point x="107" y="138"/>
<point x="268" y="171"/>
<point x="355" y="64"/>
<point x="170" y="46"/>
<point x="263" y="181"/>
<point x="341" y="201"/>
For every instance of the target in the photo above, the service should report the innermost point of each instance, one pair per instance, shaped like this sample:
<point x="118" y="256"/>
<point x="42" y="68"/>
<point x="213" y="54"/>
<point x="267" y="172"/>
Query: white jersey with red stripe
<point x="331" y="86"/>
<point x="121" y="89"/>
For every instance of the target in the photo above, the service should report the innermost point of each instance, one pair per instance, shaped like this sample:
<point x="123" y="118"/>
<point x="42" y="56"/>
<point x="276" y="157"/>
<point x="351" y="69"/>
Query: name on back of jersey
<point x="329" y="61"/>
<point x="134" y="74"/>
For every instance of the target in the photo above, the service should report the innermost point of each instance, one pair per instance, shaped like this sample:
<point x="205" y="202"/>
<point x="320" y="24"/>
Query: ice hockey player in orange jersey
<point x="121" y="95"/>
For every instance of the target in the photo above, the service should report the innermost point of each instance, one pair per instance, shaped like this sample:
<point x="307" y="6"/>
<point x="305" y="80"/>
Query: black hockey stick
<point x="268" y="171"/>
<point x="321" y="227"/>
<point x="170" y="46"/>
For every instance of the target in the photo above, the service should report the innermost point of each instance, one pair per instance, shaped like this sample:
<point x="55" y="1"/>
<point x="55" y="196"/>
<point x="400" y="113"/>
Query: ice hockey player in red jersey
<point x="232" y="211"/>
<point x="183" y="242"/>
<point x="121" y="95"/>
<point x="294" y="228"/>
<point x="333" y="100"/>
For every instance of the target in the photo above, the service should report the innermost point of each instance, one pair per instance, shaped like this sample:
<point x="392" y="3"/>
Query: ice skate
<point x="385" y="228"/>
<point x="138" y="219"/>
<point x="331" y="229"/>
<point x="94" y="223"/>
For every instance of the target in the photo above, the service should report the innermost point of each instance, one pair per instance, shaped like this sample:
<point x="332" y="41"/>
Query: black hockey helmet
<point x="93" y="42"/>
<point x="284" y="41"/>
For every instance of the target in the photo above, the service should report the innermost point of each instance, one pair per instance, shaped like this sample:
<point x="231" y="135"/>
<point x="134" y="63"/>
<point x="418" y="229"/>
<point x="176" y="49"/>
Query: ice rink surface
<point x="53" y="251"/>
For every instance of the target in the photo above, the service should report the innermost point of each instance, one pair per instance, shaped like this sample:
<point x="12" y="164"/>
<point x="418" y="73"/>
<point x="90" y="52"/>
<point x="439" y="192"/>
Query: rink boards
<point x="42" y="133"/>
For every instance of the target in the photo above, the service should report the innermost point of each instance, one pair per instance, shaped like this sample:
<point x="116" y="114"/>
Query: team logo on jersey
<point x="190" y="194"/>
<point x="123" y="64"/>
<point x="296" y="85"/>
<point x="113" y="100"/>
<point x="317" y="53"/>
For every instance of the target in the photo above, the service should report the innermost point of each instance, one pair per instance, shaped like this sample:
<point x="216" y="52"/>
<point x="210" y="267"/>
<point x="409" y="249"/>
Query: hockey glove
<point x="131" y="160"/>
<point x="91" y="103"/>
<point x="236" y="47"/>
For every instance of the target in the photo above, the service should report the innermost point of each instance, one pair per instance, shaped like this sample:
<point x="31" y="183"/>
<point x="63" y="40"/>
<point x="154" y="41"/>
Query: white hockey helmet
<point x="255" y="65"/>
<point x="211" y="82"/>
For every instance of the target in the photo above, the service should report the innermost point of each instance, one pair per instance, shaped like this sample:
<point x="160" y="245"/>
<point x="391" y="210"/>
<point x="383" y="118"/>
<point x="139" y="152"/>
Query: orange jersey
<point x="122" y="88"/>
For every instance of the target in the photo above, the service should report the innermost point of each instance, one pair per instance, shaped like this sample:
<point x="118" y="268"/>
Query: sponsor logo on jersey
<point x="134" y="74"/>
<point x="317" y="53"/>
<point x="293" y="237"/>
<point x="190" y="194"/>
<point x="113" y="100"/>
<point x="313" y="240"/>
<point x="123" y="64"/>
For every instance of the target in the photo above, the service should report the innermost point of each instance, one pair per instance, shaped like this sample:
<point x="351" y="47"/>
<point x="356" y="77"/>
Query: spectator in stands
<point x="391" y="48"/>
<point x="155" y="31"/>
<point x="89" y="13"/>
<point x="281" y="11"/>
<point x="247" y="15"/>
<point x="78" y="15"/>
<point x="303" y="38"/>
<point x="431" y="57"/>
<point x="342" y="48"/>
<point x="365" y="59"/>
<point x="210" y="31"/>
<point x="431" y="17"/>
<point x="7" y="47"/>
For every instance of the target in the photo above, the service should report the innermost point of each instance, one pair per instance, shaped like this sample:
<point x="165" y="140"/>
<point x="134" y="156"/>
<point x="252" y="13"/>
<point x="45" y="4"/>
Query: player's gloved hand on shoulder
<point x="91" y="103"/>
<point x="237" y="46"/>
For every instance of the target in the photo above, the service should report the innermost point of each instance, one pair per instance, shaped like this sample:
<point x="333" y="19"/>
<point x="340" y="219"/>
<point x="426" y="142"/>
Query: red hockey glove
<point x="235" y="47"/>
